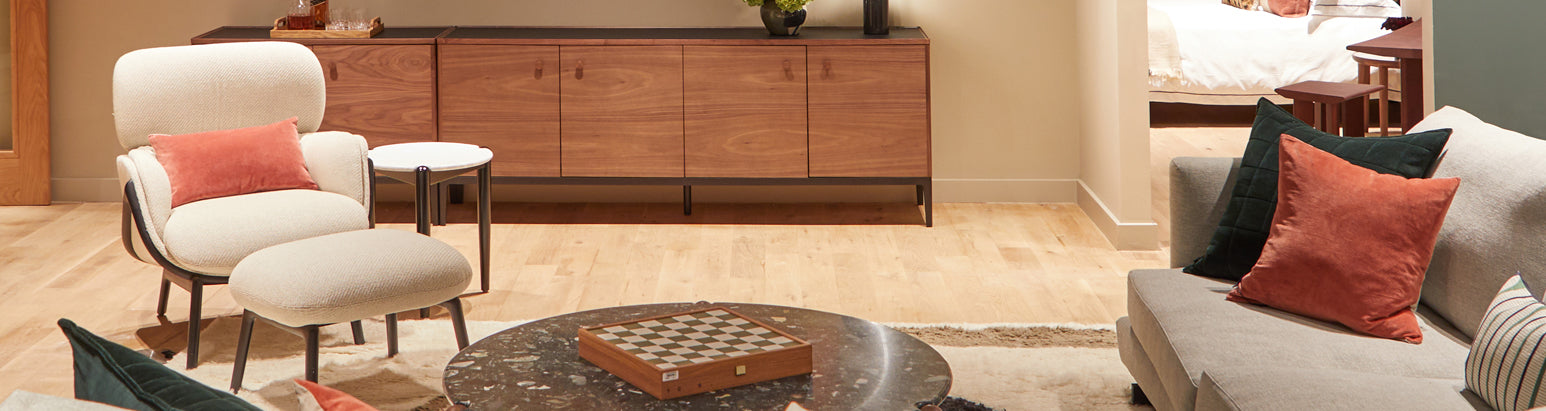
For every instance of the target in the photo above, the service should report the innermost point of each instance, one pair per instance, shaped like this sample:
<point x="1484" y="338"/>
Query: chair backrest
<point x="189" y="89"/>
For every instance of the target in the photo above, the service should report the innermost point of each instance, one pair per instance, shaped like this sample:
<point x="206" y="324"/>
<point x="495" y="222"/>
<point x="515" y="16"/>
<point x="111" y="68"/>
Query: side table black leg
<point x="686" y="200"/>
<point x="485" y="218"/>
<point x="421" y="199"/>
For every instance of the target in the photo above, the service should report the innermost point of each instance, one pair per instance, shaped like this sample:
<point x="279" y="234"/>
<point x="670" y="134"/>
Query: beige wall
<point x="1009" y="105"/>
<point x="1114" y="152"/>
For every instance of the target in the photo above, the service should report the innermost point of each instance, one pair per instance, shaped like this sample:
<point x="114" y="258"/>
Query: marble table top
<point x="858" y="365"/>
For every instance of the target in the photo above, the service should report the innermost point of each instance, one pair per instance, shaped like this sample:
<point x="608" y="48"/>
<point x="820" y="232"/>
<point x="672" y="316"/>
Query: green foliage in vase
<point x="786" y="5"/>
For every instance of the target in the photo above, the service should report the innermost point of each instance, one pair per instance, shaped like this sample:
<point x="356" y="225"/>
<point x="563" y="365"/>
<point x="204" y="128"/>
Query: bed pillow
<point x="223" y="163"/>
<point x="1348" y="244"/>
<point x="1289" y="8"/>
<point x="1503" y="366"/>
<point x="1355" y="8"/>
<point x="1238" y="239"/>
<point x="1242" y="4"/>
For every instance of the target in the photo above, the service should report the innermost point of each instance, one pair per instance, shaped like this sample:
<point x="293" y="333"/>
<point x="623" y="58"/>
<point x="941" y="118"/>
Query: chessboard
<point x="713" y="347"/>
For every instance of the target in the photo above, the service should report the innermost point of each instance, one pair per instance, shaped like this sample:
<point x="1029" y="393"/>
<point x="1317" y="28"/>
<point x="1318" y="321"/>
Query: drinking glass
<point x="357" y="20"/>
<point x="338" y="19"/>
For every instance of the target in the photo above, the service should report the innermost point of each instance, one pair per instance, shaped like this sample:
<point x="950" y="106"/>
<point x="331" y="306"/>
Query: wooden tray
<point x="280" y="32"/>
<point x="693" y="352"/>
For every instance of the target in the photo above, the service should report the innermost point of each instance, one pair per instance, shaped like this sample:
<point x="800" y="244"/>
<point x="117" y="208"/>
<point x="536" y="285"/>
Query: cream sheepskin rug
<point x="1053" y="376"/>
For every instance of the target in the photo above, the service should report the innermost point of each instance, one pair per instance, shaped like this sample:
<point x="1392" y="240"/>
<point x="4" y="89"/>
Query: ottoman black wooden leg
<point x="391" y="323"/>
<point x="166" y="285"/>
<point x="457" y="321"/>
<point x="312" y="334"/>
<point x="242" y="342"/>
<point x="359" y="332"/>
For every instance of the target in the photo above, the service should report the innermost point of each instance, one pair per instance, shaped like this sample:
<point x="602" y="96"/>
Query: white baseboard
<point x="1142" y="235"/>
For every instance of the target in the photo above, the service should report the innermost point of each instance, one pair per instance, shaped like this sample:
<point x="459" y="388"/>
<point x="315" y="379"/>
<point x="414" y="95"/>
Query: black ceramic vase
<point x="876" y="17"/>
<point x="780" y="22"/>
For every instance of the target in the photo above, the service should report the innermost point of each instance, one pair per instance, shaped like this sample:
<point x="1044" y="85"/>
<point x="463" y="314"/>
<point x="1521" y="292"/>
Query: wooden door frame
<point x="24" y="170"/>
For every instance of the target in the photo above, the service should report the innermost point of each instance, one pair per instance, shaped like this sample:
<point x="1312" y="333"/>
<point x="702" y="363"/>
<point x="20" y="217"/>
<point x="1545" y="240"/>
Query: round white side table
<point x="428" y="164"/>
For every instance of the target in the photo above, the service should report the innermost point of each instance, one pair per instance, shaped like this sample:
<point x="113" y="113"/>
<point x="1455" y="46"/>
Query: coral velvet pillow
<point x="1347" y="244"/>
<point x="330" y="399"/>
<point x="230" y="162"/>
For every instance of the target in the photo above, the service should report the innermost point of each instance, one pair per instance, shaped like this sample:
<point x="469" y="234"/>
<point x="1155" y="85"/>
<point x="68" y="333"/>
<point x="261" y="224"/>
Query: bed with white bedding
<point x="1206" y="52"/>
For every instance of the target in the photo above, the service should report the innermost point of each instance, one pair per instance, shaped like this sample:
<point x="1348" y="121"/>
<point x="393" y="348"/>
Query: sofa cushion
<point x="1238" y="239"/>
<point x="1264" y="388"/>
<point x="116" y="375"/>
<point x="1348" y="245"/>
<point x="1186" y="327"/>
<point x="211" y="236"/>
<point x="1493" y="229"/>
<point x="1506" y="362"/>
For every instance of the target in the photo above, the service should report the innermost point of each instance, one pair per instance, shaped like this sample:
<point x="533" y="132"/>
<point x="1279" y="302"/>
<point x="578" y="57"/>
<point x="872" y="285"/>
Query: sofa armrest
<point x="338" y="162"/>
<point x="1199" y="191"/>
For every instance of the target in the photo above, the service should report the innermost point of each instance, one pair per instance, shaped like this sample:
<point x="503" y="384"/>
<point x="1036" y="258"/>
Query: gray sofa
<point x="1188" y="348"/>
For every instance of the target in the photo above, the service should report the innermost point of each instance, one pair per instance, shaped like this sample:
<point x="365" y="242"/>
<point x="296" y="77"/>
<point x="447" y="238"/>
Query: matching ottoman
<point x="305" y="284"/>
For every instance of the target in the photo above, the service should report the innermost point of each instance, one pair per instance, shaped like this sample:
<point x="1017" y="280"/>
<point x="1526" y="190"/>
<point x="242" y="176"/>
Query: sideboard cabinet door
<point x="869" y="111"/>
<point x="504" y="97"/>
<point x="745" y="111"/>
<point x="383" y="92"/>
<point x="621" y="111"/>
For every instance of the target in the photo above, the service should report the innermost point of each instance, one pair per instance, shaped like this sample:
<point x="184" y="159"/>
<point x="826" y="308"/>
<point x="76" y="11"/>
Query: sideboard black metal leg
<point x="928" y="204"/>
<point x="686" y="200"/>
<point x="920" y="194"/>
<point x="442" y="200"/>
<point x="421" y="199"/>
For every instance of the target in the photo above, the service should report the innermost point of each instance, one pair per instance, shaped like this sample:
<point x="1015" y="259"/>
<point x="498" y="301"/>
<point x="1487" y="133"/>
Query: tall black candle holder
<point x="876" y="17"/>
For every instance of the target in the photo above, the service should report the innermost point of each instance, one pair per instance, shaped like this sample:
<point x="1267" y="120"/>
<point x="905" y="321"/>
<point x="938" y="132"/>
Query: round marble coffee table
<point x="859" y="365"/>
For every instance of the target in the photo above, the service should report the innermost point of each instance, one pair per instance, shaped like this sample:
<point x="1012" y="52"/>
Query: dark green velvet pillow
<point x="112" y="374"/>
<point x="1238" y="240"/>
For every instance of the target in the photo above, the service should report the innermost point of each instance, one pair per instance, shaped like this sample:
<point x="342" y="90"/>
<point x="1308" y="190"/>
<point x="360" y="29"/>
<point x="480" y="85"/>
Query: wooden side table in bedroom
<point x="1406" y="45"/>
<point x="1337" y="105"/>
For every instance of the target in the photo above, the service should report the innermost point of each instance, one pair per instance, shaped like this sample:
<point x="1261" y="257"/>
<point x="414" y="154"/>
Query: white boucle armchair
<point x="188" y="89"/>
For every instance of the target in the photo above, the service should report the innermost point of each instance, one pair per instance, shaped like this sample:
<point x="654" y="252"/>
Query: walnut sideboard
<point x="656" y="106"/>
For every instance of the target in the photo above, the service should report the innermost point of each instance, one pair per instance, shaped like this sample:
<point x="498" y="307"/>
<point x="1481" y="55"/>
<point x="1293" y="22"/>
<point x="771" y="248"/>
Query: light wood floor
<point x="981" y="263"/>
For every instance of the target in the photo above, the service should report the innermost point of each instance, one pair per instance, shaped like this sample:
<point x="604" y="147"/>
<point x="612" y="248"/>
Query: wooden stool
<point x="1338" y="105"/>
<point x="1384" y="65"/>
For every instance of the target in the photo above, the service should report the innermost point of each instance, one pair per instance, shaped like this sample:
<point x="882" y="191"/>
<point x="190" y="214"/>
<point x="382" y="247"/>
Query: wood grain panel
<point x="383" y="92"/>
<point x="621" y="111"/>
<point x="869" y="111"/>
<point x="24" y="176"/>
<point x="504" y="98"/>
<point x="745" y="111"/>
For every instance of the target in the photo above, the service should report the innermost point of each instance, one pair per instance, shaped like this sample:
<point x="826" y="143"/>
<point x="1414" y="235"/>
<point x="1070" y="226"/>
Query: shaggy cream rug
<point x="1070" y="368"/>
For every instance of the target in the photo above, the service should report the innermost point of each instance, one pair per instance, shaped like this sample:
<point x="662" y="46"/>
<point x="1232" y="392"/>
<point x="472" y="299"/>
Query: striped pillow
<point x="1506" y="361"/>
